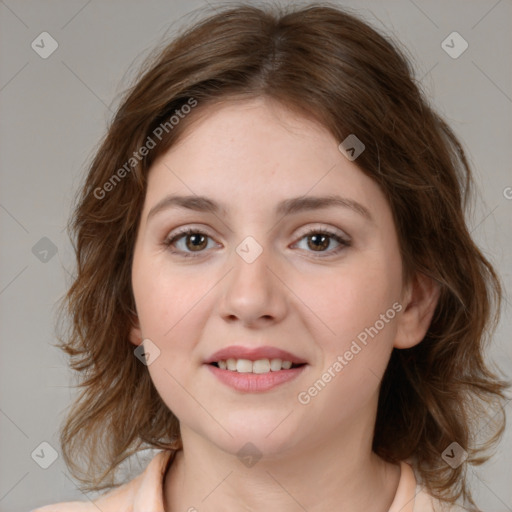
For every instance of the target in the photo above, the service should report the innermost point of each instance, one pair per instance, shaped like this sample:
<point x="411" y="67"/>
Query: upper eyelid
<point x="181" y="231"/>
<point x="344" y="238"/>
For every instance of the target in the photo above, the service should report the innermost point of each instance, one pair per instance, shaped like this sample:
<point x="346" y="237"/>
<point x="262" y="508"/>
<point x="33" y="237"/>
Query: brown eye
<point x="319" y="241"/>
<point x="195" y="241"/>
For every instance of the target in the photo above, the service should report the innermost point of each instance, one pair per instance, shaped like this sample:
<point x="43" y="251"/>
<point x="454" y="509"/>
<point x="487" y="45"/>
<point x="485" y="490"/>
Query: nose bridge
<point x="252" y="290"/>
<point x="251" y="260"/>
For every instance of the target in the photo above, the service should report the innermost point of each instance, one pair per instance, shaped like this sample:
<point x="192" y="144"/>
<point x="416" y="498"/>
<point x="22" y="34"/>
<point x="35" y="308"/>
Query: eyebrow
<point x="286" y="207"/>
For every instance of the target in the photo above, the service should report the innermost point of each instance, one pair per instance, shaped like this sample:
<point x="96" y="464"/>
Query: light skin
<point x="309" y="299"/>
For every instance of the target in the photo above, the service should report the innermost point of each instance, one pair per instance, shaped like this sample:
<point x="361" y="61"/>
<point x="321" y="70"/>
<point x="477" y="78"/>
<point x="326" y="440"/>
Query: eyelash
<point x="314" y="231"/>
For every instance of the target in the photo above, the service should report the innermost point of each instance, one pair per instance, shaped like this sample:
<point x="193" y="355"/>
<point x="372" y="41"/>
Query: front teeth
<point x="258" y="366"/>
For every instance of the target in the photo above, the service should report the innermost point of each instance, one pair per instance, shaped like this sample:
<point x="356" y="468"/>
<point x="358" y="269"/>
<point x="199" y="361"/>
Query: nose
<point x="254" y="292"/>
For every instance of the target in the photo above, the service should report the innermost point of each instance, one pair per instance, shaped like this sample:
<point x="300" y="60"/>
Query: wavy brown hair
<point x="328" y="65"/>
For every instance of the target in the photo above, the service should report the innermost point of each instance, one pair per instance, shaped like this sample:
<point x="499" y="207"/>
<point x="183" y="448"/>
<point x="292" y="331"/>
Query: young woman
<point x="276" y="287"/>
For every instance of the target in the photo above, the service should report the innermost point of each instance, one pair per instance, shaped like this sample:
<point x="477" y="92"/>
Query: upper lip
<point x="253" y="354"/>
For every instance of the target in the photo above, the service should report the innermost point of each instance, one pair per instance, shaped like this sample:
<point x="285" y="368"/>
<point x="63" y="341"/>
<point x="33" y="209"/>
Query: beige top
<point x="145" y="494"/>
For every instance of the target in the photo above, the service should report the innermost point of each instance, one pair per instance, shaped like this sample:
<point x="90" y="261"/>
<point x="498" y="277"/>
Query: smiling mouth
<point x="258" y="366"/>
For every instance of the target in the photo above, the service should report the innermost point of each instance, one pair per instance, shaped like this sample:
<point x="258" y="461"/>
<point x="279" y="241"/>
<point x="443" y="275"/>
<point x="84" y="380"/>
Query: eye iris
<point x="195" y="238"/>
<point x="316" y="238"/>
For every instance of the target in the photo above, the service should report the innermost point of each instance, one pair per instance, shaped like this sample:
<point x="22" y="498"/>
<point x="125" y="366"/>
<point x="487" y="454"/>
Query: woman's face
<point x="258" y="271"/>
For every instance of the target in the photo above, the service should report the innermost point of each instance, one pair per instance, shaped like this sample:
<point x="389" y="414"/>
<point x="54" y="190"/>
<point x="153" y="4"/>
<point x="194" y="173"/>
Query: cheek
<point x="173" y="308"/>
<point x="360" y="305"/>
<point x="350" y="299"/>
<point x="169" y="307"/>
<point x="164" y="299"/>
<point x="362" y="313"/>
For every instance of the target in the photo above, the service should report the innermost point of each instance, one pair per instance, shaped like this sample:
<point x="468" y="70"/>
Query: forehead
<point x="256" y="152"/>
<point x="258" y="135"/>
<point x="246" y="125"/>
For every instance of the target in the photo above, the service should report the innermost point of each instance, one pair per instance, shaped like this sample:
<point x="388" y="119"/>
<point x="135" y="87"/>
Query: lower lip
<point x="255" y="382"/>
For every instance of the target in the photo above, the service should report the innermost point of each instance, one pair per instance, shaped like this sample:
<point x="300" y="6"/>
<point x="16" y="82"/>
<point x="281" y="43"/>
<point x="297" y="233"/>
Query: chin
<point x="267" y="435"/>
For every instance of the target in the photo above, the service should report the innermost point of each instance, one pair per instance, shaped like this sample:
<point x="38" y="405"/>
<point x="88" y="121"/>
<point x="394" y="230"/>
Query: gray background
<point x="53" y="113"/>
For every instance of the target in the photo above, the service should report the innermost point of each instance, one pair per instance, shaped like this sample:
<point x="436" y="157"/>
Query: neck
<point x="326" y="474"/>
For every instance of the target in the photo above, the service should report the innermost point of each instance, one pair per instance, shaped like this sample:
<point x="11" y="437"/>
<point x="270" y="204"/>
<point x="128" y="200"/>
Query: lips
<point x="253" y="370"/>
<point x="253" y="354"/>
